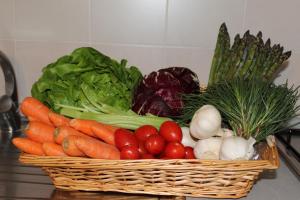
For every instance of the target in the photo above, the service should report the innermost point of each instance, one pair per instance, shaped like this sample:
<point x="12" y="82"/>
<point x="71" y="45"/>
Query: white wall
<point x="149" y="33"/>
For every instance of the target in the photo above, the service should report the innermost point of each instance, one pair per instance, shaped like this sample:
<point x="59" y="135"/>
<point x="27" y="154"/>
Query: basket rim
<point x="58" y="161"/>
<point x="271" y="161"/>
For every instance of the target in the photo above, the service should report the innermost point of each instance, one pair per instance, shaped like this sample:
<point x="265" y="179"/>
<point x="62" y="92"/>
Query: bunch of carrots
<point x="51" y="134"/>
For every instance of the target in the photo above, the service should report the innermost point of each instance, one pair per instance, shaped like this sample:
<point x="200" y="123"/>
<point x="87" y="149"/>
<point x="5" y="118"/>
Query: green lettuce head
<point x="87" y="79"/>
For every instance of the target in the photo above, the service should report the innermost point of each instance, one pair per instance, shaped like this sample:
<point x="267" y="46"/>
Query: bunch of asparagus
<point x="249" y="57"/>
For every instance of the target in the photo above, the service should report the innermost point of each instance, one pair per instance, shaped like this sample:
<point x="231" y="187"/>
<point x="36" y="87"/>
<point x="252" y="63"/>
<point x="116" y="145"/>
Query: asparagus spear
<point x="268" y="61"/>
<point x="233" y="58"/>
<point x="217" y="58"/>
<point x="239" y="56"/>
<point x="276" y="66"/>
<point x="244" y="53"/>
<point x="264" y="57"/>
<point x="244" y="71"/>
<point x="257" y="57"/>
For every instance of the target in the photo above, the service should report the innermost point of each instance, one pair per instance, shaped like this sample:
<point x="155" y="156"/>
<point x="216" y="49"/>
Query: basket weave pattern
<point x="195" y="178"/>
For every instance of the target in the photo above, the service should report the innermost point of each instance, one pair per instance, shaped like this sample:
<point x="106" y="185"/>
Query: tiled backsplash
<point x="148" y="33"/>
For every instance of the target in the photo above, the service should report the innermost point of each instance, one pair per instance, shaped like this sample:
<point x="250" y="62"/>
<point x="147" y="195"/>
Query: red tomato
<point x="129" y="153"/>
<point x="174" y="150"/>
<point x="143" y="132"/>
<point x="163" y="157"/>
<point x="142" y="149"/>
<point x="155" y="144"/>
<point x="189" y="153"/>
<point x="147" y="156"/>
<point x="171" y="131"/>
<point x="124" y="138"/>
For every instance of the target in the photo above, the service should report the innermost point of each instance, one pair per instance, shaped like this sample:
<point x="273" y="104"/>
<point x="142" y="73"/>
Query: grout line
<point x="166" y="21"/>
<point x="53" y="42"/>
<point x="14" y="30"/>
<point x="90" y="23"/>
<point x="244" y="15"/>
<point x="117" y="44"/>
<point x="165" y="39"/>
<point x="154" y="46"/>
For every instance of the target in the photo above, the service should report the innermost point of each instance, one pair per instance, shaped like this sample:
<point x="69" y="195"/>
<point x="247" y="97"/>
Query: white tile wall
<point x="277" y="19"/>
<point x="149" y="33"/>
<point x="291" y="72"/>
<point x="6" y="19"/>
<point x="147" y="58"/>
<point x="52" y="20"/>
<point x="196" y="22"/>
<point x="128" y="22"/>
<point x="196" y="59"/>
<point x="8" y="48"/>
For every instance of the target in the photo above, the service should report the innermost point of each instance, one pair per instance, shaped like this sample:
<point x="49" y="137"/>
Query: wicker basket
<point x="194" y="178"/>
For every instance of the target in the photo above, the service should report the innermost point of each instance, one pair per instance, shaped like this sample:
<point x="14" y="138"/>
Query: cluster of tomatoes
<point x="148" y="143"/>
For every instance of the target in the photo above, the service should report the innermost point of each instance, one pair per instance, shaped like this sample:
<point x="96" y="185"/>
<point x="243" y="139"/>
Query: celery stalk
<point x="128" y="120"/>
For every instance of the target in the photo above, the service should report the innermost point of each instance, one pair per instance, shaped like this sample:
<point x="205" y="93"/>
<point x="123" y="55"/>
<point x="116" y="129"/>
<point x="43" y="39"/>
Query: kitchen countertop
<point x="18" y="181"/>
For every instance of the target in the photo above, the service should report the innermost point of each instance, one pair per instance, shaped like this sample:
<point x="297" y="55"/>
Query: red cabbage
<point x="160" y="92"/>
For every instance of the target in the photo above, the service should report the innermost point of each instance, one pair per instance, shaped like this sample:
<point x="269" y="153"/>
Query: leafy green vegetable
<point x="87" y="76"/>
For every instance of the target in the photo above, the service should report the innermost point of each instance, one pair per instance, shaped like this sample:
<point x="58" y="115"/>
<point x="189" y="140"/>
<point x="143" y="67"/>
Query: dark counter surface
<point x="18" y="181"/>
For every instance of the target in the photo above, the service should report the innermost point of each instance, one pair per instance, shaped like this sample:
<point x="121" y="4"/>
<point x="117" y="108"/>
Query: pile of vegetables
<point x="51" y="134"/>
<point x="89" y="85"/>
<point x="147" y="142"/>
<point x="251" y="108"/>
<point x="216" y="142"/>
<point x="119" y="114"/>
<point x="241" y="96"/>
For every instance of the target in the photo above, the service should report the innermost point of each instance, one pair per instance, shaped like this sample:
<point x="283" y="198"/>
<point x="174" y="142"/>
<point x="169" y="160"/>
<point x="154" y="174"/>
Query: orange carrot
<point x="32" y="119"/>
<point x="69" y="146"/>
<point x="83" y="126"/>
<point x="96" y="149"/>
<point x="52" y="149"/>
<point x="62" y="132"/>
<point x="28" y="146"/>
<point x="58" y="120"/>
<point x="40" y="132"/>
<point x="32" y="107"/>
<point x="104" y="132"/>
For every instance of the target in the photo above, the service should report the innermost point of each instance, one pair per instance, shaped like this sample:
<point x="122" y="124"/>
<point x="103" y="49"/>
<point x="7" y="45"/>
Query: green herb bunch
<point x="249" y="107"/>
